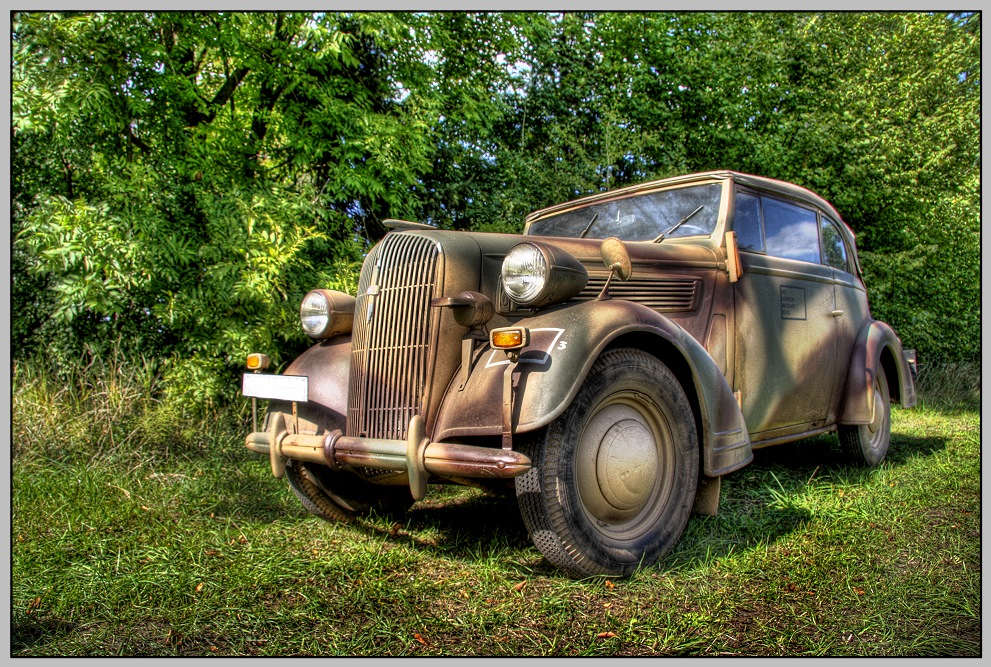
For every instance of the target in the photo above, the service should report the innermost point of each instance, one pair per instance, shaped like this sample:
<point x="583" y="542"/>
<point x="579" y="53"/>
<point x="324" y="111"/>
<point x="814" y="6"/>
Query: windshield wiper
<point x="688" y="217"/>
<point x="585" y="231"/>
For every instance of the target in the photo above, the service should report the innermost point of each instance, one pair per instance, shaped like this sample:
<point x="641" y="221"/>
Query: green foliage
<point x="186" y="178"/>
<point x="181" y="179"/>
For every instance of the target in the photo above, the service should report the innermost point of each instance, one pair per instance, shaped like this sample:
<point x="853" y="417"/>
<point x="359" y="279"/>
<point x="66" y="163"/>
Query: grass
<point x="189" y="547"/>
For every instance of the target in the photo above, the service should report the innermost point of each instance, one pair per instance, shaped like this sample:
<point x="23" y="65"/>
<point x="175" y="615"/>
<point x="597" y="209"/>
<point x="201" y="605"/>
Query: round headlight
<point x="524" y="272"/>
<point x="314" y="312"/>
<point x="538" y="274"/>
<point x="326" y="313"/>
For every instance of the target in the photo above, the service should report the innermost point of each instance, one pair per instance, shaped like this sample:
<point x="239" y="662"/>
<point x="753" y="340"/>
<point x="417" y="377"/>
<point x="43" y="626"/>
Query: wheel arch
<point x="877" y="346"/>
<point x="548" y="386"/>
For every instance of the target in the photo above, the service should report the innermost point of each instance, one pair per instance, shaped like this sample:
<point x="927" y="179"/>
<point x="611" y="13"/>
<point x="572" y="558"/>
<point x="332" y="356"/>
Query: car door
<point x="784" y="303"/>
<point x="850" y="309"/>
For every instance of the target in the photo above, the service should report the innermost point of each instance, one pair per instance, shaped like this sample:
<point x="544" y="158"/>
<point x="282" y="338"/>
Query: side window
<point x="833" y="249"/>
<point x="791" y="232"/>
<point x="746" y="223"/>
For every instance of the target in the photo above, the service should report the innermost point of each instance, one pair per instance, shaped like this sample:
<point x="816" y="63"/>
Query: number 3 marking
<point x="562" y="345"/>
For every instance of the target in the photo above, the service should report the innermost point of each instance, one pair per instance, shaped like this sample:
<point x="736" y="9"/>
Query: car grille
<point x="660" y="294"/>
<point x="390" y="347"/>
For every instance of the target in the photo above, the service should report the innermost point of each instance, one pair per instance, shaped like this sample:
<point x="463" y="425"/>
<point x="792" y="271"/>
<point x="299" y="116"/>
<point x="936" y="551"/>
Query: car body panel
<point x="565" y="344"/>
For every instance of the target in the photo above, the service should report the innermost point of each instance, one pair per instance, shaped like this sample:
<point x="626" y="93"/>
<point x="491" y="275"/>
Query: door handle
<point x="837" y="313"/>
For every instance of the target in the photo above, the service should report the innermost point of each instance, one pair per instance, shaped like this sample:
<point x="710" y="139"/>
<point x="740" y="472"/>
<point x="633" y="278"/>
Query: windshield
<point x="640" y="217"/>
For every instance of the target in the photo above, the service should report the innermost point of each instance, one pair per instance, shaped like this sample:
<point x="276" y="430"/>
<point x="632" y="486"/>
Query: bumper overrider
<point x="417" y="455"/>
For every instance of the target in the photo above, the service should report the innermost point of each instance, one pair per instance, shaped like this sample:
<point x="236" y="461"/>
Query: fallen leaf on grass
<point x="146" y="509"/>
<point x="605" y="635"/>
<point x="33" y="605"/>
<point x="418" y="637"/>
<point x="394" y="530"/>
<point x="200" y="587"/>
<point x="610" y="584"/>
<point x="607" y="605"/>
<point x="519" y="586"/>
<point x="213" y="648"/>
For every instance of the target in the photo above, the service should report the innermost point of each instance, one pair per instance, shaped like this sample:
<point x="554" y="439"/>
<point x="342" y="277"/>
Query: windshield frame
<point x="595" y="204"/>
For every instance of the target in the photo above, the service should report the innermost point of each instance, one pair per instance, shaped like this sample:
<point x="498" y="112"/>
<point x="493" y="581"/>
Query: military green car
<point x="611" y="364"/>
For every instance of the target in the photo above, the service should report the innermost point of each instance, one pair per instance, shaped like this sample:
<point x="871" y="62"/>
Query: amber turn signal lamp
<point x="509" y="338"/>
<point x="257" y="361"/>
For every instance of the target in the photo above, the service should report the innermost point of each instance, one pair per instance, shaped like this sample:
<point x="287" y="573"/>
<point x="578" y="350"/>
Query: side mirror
<point x="617" y="259"/>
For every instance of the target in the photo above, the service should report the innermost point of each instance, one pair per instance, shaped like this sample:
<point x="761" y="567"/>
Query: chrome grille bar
<point x="390" y="352"/>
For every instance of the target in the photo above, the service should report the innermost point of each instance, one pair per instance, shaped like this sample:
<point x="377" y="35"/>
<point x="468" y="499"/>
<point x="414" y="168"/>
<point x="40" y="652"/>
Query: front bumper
<point x="417" y="455"/>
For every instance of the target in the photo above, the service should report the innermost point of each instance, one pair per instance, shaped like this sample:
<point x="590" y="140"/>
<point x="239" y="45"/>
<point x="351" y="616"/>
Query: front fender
<point x="327" y="364"/>
<point x="564" y="344"/>
<point x="877" y="344"/>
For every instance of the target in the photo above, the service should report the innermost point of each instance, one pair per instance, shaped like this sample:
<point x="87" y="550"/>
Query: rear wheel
<point x="867" y="444"/>
<point x="614" y="478"/>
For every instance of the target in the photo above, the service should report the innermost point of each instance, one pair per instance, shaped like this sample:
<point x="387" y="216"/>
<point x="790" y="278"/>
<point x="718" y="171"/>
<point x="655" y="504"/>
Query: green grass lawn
<point x="205" y="553"/>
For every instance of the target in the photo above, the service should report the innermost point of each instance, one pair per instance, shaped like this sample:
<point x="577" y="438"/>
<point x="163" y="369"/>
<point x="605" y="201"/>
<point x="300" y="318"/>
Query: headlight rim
<point x="563" y="276"/>
<point x="338" y="317"/>
<point x="532" y="294"/>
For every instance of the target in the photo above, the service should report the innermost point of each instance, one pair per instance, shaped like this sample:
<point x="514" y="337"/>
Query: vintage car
<point x="612" y="363"/>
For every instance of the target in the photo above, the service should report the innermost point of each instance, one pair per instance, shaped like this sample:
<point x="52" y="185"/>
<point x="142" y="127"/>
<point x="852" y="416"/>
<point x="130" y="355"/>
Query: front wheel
<point x="614" y="478"/>
<point x="341" y="496"/>
<point x="867" y="444"/>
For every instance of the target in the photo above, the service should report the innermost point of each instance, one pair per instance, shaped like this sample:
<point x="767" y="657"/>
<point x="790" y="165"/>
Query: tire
<point x="867" y="444"/>
<point x="614" y="478"/>
<point x="340" y="496"/>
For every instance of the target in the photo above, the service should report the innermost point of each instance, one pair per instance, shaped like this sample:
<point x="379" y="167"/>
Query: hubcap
<point x="619" y="460"/>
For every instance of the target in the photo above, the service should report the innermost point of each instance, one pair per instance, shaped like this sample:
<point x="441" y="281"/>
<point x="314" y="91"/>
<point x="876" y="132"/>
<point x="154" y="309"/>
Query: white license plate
<point x="279" y="387"/>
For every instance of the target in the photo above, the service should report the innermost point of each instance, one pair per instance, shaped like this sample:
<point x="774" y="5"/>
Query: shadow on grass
<point x="825" y="452"/>
<point x="750" y="513"/>
<point x="28" y="634"/>
<point x="469" y="525"/>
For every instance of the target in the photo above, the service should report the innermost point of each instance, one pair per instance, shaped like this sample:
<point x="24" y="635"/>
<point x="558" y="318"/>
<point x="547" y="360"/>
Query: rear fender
<point x="877" y="345"/>
<point x="564" y="343"/>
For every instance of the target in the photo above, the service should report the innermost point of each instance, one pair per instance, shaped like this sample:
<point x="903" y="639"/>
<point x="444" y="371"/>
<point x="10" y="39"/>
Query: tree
<point x="188" y="176"/>
<point x="180" y="180"/>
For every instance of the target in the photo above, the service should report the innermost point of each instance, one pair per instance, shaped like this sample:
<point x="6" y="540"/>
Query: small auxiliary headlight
<point x="509" y="338"/>
<point x="326" y="313"/>
<point x="257" y="361"/>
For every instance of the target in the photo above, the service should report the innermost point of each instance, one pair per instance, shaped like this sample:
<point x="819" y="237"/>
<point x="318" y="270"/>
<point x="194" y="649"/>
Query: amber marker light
<point x="509" y="338"/>
<point x="257" y="361"/>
